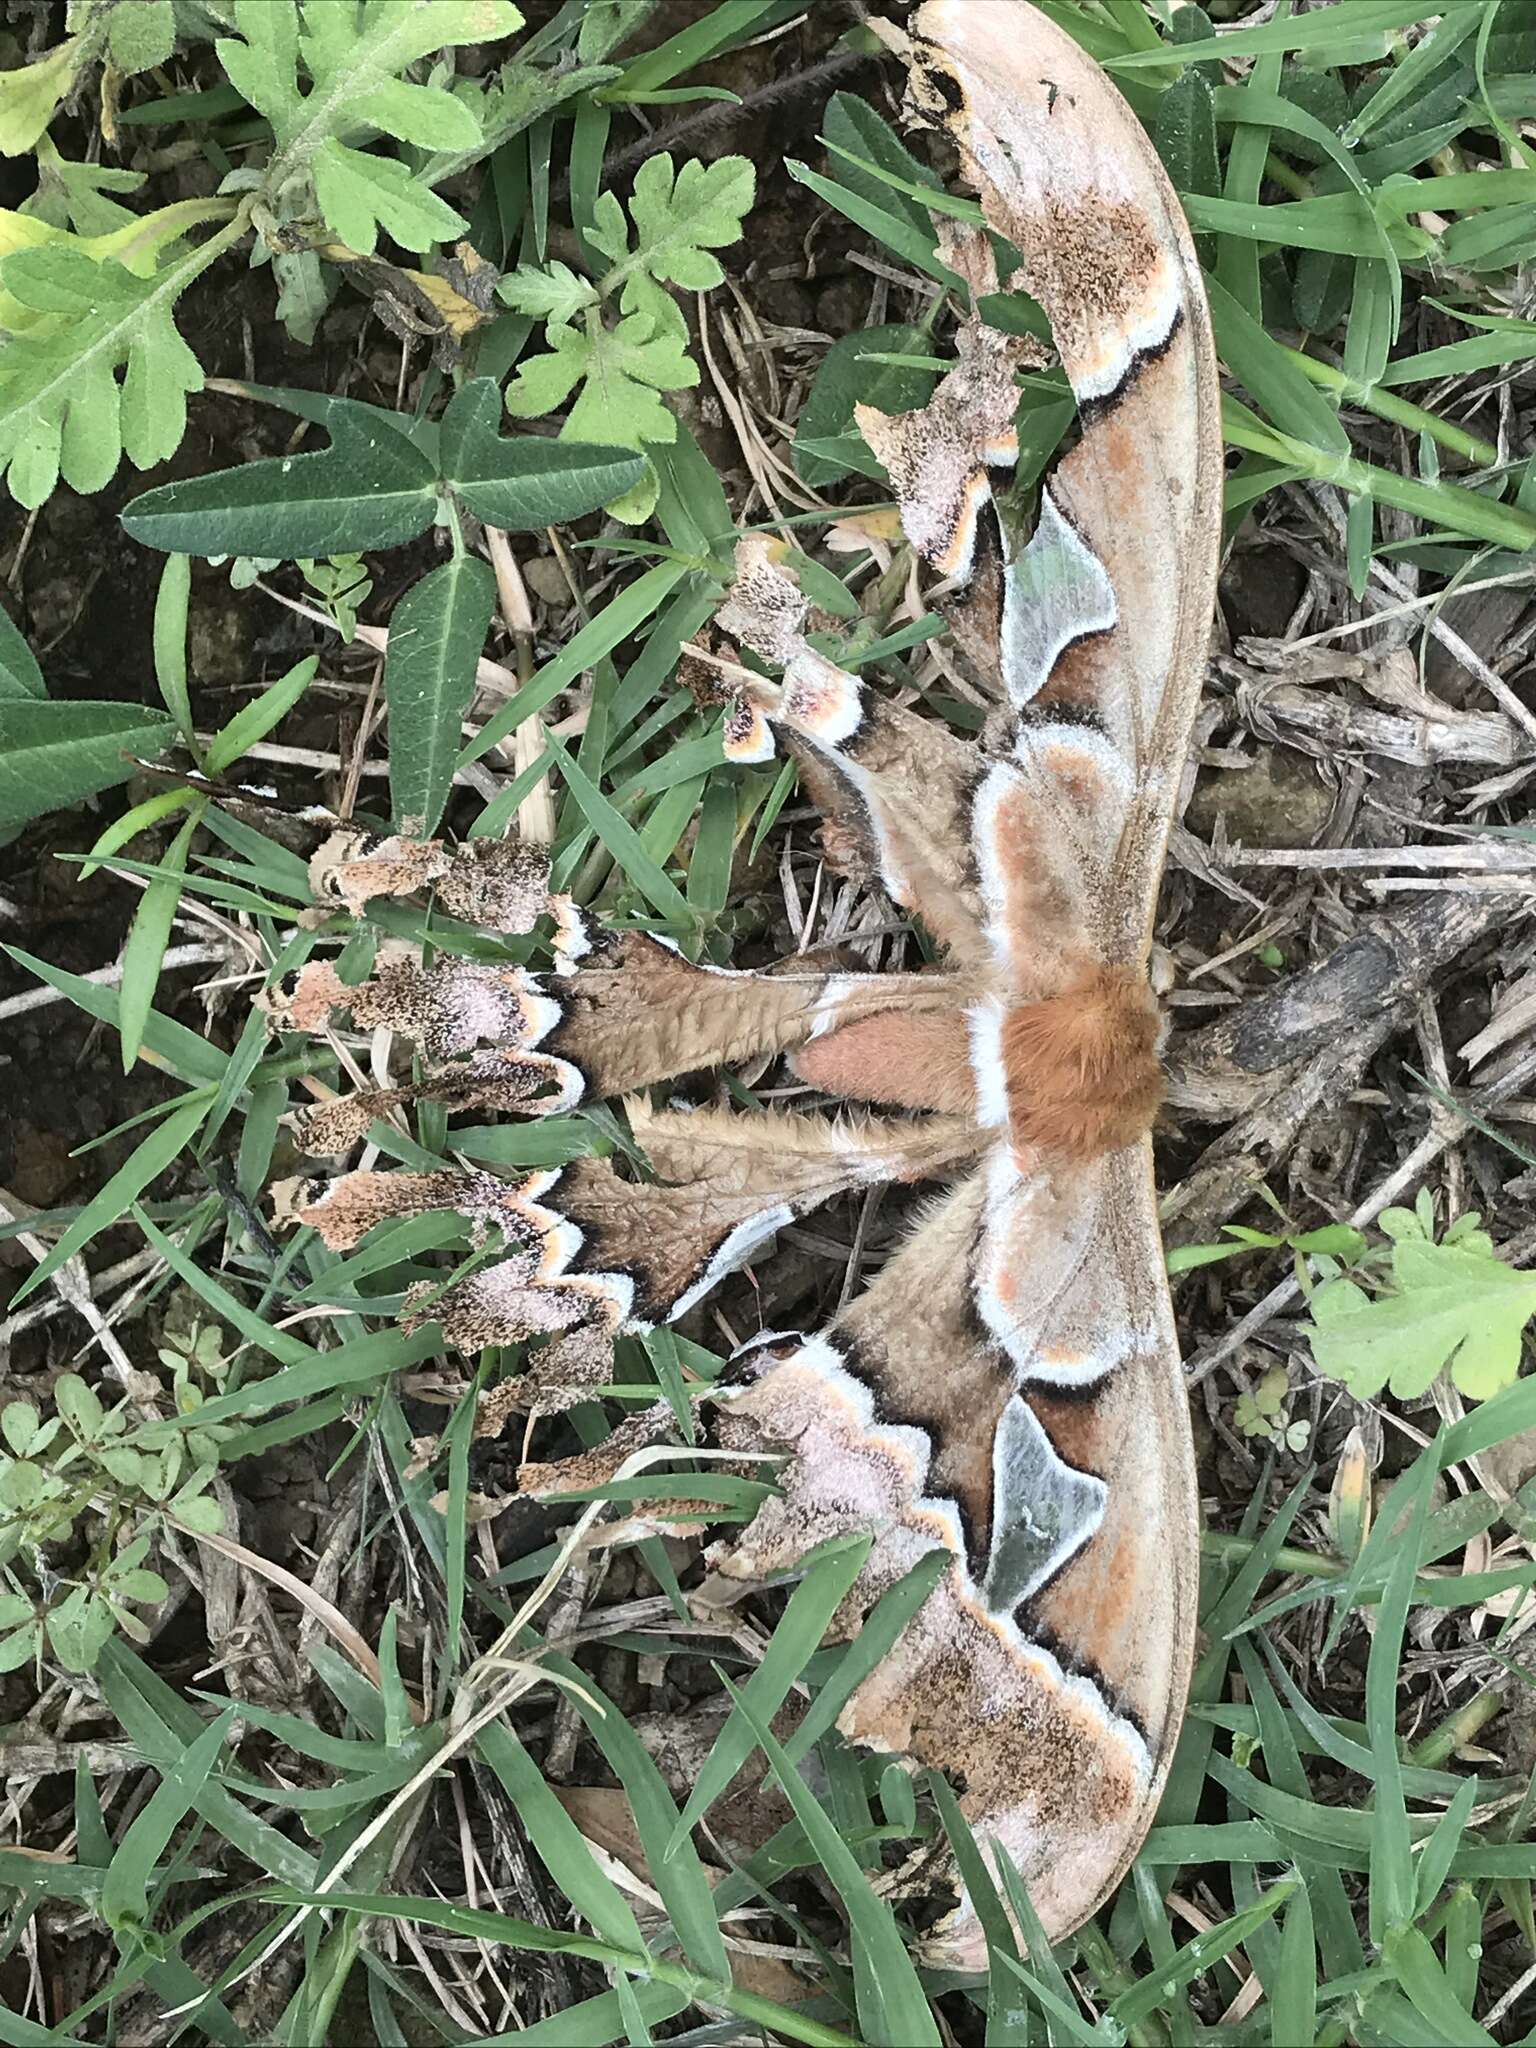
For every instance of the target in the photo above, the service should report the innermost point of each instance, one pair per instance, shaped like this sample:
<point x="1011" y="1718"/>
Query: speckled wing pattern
<point x="1008" y="1387"/>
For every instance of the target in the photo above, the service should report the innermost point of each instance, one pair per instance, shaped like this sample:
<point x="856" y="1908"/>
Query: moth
<point x="1008" y="1387"/>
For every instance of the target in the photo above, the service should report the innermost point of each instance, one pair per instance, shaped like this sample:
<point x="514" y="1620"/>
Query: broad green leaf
<point x="528" y="482"/>
<point x="79" y="1626"/>
<point x="436" y="636"/>
<point x="845" y="378"/>
<point x="54" y="755"/>
<point x="852" y="126"/>
<point x="141" y="36"/>
<point x="1185" y="135"/>
<point x="369" y="489"/>
<point x="20" y="675"/>
<point x="30" y="95"/>
<point x="422" y="114"/>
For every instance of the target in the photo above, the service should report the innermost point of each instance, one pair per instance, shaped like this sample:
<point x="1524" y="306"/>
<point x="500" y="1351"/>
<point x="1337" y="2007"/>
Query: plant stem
<point x="1401" y="411"/>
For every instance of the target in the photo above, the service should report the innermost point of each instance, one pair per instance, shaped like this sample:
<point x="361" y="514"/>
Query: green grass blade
<point x="149" y="935"/>
<point x="125" y="1893"/>
<point x="615" y="623"/>
<point x="893" y="2010"/>
<point x="253" y="721"/>
<point x="809" y="1609"/>
<point x="1392" y="1873"/>
<point x="622" y="841"/>
<point x="558" y="1841"/>
<point x="1293" y="1991"/>
<point x="170" y="645"/>
<point x="143" y="1165"/>
<point x="1407" y="1952"/>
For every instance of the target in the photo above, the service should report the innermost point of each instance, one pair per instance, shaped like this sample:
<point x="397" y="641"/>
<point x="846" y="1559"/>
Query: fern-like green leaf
<point x="621" y="372"/>
<point x="331" y="71"/>
<point x="1454" y="1303"/>
<point x="359" y="194"/>
<point x="332" y="68"/>
<point x="63" y="411"/>
<point x="554" y="293"/>
<point x="679" y="217"/>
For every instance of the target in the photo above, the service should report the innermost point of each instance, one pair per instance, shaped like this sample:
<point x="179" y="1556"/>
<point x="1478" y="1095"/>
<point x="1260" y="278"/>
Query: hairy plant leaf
<point x="369" y="489"/>
<point x="55" y="755"/>
<point x="436" y="633"/>
<point x="141" y="36"/>
<point x="622" y="371"/>
<point x="71" y="195"/>
<point x="62" y="410"/>
<point x="679" y="217"/>
<point x="852" y="125"/>
<point x="30" y="95"/>
<point x="353" y="60"/>
<point x="359" y="194"/>
<point x="554" y="293"/>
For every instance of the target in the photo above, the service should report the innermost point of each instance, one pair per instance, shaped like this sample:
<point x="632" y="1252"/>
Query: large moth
<point x="1008" y="1387"/>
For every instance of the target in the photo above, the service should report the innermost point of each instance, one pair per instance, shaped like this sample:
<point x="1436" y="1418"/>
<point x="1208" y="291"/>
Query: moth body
<point x="1081" y="1068"/>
